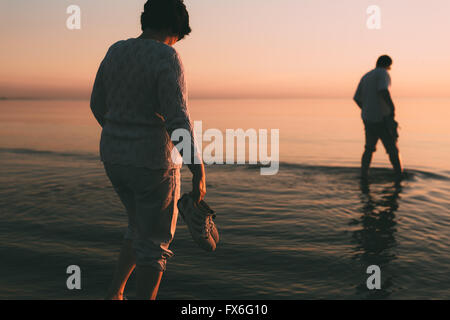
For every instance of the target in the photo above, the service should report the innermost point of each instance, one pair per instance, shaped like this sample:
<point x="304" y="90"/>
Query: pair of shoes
<point x="199" y="219"/>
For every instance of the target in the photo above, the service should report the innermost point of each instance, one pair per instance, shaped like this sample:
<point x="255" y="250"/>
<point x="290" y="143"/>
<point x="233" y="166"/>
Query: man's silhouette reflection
<point x="376" y="239"/>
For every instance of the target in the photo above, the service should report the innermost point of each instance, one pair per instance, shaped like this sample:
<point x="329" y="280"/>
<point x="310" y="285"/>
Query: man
<point x="378" y="114"/>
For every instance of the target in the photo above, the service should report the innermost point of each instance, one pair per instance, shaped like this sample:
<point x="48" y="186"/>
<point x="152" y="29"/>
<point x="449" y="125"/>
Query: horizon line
<point x="218" y="97"/>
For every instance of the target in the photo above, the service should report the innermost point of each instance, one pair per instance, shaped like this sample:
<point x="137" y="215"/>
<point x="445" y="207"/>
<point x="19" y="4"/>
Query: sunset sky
<point x="238" y="48"/>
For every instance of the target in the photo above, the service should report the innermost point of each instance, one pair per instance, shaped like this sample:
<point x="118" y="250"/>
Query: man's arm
<point x="357" y="96"/>
<point x="98" y="98"/>
<point x="358" y="102"/>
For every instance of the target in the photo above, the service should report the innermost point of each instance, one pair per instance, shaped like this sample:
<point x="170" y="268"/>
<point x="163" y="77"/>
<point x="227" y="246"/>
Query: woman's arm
<point x="173" y="109"/>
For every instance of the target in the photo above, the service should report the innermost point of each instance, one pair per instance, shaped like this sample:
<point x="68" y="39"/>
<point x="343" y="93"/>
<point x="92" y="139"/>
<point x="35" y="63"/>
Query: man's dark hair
<point x="166" y="15"/>
<point x="384" y="62"/>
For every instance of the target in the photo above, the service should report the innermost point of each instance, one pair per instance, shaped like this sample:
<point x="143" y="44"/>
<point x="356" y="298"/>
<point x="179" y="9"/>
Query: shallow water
<point x="308" y="232"/>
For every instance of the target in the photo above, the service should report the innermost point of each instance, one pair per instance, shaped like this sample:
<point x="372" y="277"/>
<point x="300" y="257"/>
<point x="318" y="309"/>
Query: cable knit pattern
<point x="139" y="98"/>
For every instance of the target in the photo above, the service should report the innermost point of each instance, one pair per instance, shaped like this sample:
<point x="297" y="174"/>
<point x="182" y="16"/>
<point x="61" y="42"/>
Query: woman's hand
<point x="198" y="187"/>
<point x="198" y="182"/>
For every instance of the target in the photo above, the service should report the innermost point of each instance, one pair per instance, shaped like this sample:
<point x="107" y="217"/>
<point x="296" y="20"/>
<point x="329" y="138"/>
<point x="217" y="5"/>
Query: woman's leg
<point x="127" y="258"/>
<point x="148" y="280"/>
<point x="125" y="265"/>
<point x="156" y="216"/>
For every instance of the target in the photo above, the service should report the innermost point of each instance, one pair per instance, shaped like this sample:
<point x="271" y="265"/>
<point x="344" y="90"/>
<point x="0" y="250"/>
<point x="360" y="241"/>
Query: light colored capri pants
<point x="150" y="198"/>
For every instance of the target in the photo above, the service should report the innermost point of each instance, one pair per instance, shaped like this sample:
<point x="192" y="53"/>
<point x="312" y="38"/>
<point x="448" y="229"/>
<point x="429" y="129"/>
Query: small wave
<point x="352" y="170"/>
<point x="340" y="170"/>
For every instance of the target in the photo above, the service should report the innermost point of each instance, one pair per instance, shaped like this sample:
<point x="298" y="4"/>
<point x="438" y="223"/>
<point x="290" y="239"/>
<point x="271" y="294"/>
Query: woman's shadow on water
<point x="375" y="239"/>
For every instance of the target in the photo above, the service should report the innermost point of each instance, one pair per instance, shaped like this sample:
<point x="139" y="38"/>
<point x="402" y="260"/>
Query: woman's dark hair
<point x="166" y="15"/>
<point x="384" y="62"/>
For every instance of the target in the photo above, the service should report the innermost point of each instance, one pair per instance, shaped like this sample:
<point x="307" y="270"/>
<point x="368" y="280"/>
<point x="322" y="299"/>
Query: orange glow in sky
<point x="238" y="48"/>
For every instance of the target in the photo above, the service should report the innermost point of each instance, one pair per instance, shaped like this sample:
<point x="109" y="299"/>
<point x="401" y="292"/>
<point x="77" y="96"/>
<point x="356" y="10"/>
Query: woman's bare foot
<point x="118" y="296"/>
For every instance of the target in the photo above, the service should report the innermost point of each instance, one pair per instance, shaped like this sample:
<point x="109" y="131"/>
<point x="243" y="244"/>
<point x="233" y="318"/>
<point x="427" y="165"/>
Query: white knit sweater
<point x="139" y="98"/>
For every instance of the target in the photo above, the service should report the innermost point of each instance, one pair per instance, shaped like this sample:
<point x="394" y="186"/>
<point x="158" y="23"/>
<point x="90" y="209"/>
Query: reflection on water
<point x="375" y="239"/>
<point x="284" y="237"/>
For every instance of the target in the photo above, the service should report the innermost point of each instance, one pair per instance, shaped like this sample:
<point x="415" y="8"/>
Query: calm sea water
<point x="308" y="232"/>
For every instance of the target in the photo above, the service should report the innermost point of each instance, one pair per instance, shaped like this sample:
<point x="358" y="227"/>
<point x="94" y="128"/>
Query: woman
<point x="139" y="99"/>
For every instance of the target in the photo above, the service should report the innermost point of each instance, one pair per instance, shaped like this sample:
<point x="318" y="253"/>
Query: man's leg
<point x="396" y="163"/>
<point x="390" y="144"/>
<point x="365" y="163"/>
<point x="369" y="149"/>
